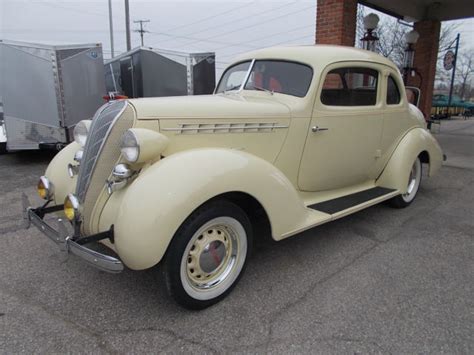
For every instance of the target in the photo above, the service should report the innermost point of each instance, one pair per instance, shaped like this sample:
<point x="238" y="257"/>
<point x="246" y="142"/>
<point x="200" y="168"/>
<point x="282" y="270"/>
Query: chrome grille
<point x="100" y="126"/>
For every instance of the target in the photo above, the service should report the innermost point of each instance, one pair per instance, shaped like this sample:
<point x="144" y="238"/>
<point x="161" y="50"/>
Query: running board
<point x="345" y="202"/>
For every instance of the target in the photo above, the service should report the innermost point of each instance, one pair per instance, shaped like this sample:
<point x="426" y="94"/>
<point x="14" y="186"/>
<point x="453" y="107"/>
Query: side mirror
<point x="413" y="95"/>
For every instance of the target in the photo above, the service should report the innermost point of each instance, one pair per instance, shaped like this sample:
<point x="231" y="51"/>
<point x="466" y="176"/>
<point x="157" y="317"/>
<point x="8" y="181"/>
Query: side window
<point x="350" y="87"/>
<point x="393" y="93"/>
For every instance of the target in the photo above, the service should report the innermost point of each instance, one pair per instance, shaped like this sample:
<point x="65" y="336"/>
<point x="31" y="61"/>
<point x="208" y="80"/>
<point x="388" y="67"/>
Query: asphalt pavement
<point x="379" y="281"/>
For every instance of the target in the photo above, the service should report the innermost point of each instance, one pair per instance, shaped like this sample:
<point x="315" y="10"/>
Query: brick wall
<point x="336" y="22"/>
<point x="426" y="55"/>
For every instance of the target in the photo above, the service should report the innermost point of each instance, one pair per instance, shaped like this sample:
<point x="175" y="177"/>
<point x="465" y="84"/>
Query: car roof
<point x="316" y="55"/>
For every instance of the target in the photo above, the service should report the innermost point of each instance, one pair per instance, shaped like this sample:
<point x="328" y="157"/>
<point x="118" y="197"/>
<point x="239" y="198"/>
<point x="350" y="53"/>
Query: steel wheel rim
<point x="213" y="258"/>
<point x="413" y="181"/>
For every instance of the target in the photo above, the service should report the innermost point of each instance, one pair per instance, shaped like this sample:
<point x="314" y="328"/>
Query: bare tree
<point x="465" y="68"/>
<point x="391" y="44"/>
<point x="390" y="32"/>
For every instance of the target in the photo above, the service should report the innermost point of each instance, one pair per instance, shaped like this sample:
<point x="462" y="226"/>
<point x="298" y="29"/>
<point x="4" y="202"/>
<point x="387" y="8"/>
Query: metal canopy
<point x="416" y="10"/>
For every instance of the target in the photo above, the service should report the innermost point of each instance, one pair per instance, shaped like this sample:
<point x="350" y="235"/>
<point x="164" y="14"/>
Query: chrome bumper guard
<point x="65" y="242"/>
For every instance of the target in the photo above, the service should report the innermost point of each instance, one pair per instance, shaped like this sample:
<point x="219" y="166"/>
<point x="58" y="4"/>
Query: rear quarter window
<point x="393" y="92"/>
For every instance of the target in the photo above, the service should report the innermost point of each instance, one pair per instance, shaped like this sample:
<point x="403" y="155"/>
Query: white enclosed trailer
<point x="47" y="89"/>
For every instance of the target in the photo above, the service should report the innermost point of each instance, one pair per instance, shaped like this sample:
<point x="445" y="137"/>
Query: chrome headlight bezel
<point x="81" y="130"/>
<point x="71" y="202"/>
<point x="129" y="146"/>
<point x="47" y="186"/>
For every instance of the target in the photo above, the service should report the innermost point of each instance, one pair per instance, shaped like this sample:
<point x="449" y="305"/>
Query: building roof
<point x="415" y="10"/>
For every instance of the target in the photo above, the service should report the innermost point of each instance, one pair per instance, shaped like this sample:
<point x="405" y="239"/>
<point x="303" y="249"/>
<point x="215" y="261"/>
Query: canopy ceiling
<point x="415" y="10"/>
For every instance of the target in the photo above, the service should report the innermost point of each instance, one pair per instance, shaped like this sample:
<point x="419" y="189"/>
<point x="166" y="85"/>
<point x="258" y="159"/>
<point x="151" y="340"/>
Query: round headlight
<point x="80" y="132"/>
<point x="71" y="207"/>
<point x="45" y="188"/>
<point x="129" y="146"/>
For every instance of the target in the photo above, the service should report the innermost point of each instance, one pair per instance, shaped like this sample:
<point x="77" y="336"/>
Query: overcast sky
<point x="226" y="27"/>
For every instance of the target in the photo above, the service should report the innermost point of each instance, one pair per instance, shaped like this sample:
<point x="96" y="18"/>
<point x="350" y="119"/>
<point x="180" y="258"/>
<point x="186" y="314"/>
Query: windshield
<point x="233" y="77"/>
<point x="269" y="75"/>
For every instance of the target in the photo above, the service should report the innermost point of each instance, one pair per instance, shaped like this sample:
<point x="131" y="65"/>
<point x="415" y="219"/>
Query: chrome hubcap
<point x="210" y="256"/>
<point x="213" y="258"/>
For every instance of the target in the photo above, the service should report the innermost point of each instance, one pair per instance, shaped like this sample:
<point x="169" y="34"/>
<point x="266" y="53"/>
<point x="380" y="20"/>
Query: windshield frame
<point x="249" y="72"/>
<point x="246" y="77"/>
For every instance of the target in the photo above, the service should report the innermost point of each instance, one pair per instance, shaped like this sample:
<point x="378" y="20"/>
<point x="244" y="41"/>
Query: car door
<point x="343" y="143"/>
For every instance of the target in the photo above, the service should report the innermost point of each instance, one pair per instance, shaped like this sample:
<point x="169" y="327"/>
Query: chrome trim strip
<point x="227" y="127"/>
<point x="247" y="76"/>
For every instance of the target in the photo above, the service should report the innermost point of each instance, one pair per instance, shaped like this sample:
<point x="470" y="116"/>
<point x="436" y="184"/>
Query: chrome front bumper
<point x="66" y="242"/>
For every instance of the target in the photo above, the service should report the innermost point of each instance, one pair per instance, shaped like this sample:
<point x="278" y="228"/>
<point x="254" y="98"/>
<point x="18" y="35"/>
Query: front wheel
<point x="208" y="254"/>
<point x="414" y="181"/>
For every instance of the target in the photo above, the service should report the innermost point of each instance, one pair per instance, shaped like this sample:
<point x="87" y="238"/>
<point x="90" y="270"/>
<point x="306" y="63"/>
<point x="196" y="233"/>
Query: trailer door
<point x="127" y="76"/>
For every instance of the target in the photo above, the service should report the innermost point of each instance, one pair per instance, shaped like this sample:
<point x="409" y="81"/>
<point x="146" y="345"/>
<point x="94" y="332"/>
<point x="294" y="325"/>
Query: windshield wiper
<point x="259" y="88"/>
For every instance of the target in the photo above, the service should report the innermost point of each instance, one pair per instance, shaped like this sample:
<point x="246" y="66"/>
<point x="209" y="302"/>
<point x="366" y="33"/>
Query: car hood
<point x="209" y="106"/>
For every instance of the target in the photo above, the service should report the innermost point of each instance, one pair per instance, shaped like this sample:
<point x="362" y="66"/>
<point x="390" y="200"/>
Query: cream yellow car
<point x="292" y="138"/>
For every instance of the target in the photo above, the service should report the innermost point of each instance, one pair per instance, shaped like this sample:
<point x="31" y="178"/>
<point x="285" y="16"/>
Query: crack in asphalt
<point x="101" y="343"/>
<point x="273" y="318"/>
<point x="166" y="331"/>
<point x="284" y="340"/>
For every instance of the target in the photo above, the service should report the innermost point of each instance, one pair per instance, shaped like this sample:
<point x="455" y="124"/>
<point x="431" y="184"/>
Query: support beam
<point x="426" y="55"/>
<point x="336" y="22"/>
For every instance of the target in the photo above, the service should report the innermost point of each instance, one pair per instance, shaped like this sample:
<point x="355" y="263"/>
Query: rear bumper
<point x="66" y="243"/>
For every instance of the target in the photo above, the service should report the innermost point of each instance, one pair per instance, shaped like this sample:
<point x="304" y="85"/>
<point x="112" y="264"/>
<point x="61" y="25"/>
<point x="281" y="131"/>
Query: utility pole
<point x="454" y="72"/>
<point x="111" y="29"/>
<point x="127" y="25"/>
<point x="141" y="30"/>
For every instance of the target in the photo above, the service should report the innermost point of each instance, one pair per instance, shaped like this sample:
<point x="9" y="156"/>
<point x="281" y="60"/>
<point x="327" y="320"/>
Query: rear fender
<point x="396" y="172"/>
<point x="154" y="206"/>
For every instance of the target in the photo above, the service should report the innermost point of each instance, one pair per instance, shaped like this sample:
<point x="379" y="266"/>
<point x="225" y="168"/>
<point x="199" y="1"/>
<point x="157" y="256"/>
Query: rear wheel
<point x="3" y="148"/>
<point x="414" y="180"/>
<point x="208" y="254"/>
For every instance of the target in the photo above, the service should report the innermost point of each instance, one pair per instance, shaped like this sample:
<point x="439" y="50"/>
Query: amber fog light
<point x="71" y="207"/>
<point x="45" y="188"/>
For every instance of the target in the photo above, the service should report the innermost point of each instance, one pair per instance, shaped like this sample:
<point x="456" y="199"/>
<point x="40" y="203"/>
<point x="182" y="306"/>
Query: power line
<point x="233" y="54"/>
<point x="249" y="17"/>
<point x="75" y="9"/>
<point x="264" y="37"/>
<point x="196" y="40"/>
<point x="258" y="24"/>
<point x="210" y="17"/>
<point x="293" y="39"/>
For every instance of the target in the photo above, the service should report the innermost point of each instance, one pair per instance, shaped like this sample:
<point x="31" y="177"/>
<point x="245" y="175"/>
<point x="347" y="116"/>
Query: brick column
<point x="426" y="55"/>
<point x="336" y="22"/>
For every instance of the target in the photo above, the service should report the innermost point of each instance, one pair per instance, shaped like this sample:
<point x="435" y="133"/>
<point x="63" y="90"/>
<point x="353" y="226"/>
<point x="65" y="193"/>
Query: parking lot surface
<point x="380" y="281"/>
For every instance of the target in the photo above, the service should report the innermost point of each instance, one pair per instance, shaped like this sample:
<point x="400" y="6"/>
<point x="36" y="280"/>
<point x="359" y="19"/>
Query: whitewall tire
<point x="208" y="254"/>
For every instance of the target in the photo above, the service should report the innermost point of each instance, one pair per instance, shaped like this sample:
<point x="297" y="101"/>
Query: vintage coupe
<point x="292" y="138"/>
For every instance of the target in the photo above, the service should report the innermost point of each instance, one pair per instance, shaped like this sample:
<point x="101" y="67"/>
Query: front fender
<point x="58" y="174"/>
<point x="396" y="172"/>
<point x="154" y="206"/>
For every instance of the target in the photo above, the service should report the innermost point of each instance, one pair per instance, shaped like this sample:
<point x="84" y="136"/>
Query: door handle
<point x="317" y="129"/>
